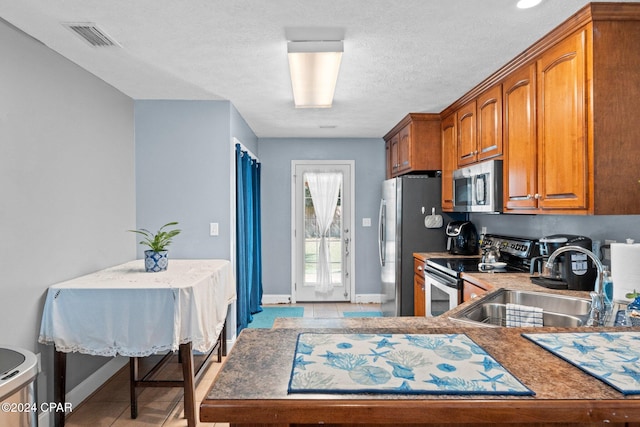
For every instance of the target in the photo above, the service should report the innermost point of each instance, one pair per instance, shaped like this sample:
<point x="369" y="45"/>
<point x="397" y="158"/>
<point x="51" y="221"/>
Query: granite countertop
<point x="258" y="369"/>
<point x="488" y="280"/>
<point x="251" y="386"/>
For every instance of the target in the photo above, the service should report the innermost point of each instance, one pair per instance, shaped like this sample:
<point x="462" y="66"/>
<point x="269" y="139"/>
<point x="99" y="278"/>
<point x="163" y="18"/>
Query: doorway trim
<point x="352" y="245"/>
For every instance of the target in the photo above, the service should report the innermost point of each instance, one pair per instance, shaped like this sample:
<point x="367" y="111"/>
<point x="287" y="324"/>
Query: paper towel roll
<point x="625" y="269"/>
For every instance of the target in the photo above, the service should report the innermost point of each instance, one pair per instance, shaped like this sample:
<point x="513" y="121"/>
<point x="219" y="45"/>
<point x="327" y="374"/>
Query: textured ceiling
<point x="399" y="56"/>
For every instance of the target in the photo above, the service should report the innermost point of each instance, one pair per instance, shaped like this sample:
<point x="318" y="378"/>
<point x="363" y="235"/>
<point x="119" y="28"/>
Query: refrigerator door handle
<point x="381" y="232"/>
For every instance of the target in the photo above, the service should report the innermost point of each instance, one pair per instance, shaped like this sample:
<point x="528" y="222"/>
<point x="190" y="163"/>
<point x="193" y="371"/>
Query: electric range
<point x="444" y="285"/>
<point x="515" y="253"/>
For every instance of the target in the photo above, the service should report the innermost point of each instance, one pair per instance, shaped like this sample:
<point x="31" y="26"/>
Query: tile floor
<point x="109" y="406"/>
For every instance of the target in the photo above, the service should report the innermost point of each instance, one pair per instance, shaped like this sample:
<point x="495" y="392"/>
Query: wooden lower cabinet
<point x="471" y="291"/>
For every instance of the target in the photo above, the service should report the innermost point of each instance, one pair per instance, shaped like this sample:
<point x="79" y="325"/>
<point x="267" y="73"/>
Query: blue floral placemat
<point x="612" y="357"/>
<point x="398" y="364"/>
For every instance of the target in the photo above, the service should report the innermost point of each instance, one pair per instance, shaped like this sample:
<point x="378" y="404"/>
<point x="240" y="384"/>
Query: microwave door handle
<point x="481" y="194"/>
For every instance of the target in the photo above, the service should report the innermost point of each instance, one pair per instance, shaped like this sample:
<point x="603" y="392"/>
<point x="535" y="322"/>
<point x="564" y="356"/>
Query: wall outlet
<point x="213" y="229"/>
<point x="483" y="230"/>
<point x="366" y="222"/>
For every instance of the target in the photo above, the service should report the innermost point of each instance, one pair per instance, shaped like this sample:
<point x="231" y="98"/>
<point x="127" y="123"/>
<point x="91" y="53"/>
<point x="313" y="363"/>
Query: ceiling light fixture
<point x="526" y="4"/>
<point x="314" y="67"/>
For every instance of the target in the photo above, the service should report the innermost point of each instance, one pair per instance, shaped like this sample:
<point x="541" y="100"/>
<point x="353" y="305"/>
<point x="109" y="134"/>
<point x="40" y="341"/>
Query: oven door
<point x="442" y="293"/>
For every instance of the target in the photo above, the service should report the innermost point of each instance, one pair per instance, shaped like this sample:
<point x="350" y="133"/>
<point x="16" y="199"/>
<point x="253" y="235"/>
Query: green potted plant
<point x="156" y="257"/>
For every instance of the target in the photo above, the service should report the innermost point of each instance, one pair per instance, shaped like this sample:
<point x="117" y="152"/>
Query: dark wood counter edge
<point x="475" y="411"/>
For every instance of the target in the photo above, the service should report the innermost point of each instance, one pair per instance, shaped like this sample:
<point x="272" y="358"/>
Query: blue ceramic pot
<point x="155" y="261"/>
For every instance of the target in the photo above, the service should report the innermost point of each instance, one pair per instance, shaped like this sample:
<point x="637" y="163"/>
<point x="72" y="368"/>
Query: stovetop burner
<point x="465" y="265"/>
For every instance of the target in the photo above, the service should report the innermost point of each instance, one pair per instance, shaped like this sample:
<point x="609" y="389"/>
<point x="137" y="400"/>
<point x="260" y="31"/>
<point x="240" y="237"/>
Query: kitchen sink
<point x="557" y="310"/>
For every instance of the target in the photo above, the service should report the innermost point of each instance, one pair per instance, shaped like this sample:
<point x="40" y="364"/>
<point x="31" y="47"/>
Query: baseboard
<point x="369" y="298"/>
<point x="276" y="299"/>
<point x="286" y="299"/>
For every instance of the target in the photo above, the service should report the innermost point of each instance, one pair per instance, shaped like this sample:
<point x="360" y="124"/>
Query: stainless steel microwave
<point x="478" y="187"/>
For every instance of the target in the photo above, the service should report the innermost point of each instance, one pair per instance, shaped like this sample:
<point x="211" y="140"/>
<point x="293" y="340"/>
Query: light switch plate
<point x="366" y="222"/>
<point x="213" y="229"/>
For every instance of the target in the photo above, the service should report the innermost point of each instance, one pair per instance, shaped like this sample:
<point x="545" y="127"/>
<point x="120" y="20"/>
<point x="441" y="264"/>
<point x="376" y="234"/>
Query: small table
<point x="126" y="311"/>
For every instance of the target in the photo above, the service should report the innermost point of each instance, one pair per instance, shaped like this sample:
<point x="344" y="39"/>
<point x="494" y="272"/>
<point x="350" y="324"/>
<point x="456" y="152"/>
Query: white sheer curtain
<point x="324" y="188"/>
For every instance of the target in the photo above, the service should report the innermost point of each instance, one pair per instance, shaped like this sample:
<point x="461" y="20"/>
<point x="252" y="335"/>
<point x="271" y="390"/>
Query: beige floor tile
<point x="153" y="413"/>
<point x="96" y="414"/>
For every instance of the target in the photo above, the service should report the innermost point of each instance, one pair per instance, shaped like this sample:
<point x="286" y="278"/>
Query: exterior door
<point x="319" y="238"/>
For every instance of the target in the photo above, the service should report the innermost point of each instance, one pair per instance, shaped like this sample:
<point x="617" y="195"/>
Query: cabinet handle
<point x="419" y="268"/>
<point x="473" y="295"/>
<point x="537" y="196"/>
<point x="423" y="288"/>
<point x="529" y="196"/>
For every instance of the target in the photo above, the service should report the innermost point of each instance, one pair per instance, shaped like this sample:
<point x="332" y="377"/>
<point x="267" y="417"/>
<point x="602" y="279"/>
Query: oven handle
<point x="441" y="278"/>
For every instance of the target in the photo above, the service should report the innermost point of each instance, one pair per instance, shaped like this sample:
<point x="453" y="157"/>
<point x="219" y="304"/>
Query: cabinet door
<point x="404" y="149"/>
<point x="394" y="146"/>
<point x="466" y="127"/>
<point x="562" y="144"/>
<point x="489" y="124"/>
<point x="388" y="161"/>
<point x="471" y="291"/>
<point x="520" y="165"/>
<point x="449" y="161"/>
<point x="419" y="301"/>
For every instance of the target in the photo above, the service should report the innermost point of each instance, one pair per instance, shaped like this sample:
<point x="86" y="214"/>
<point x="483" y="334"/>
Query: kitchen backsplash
<point x="598" y="228"/>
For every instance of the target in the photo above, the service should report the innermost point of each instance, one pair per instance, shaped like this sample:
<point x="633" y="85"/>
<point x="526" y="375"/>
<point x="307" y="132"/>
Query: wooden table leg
<point x="133" y="377"/>
<point x="189" y="388"/>
<point x="59" y="385"/>
<point x="223" y="342"/>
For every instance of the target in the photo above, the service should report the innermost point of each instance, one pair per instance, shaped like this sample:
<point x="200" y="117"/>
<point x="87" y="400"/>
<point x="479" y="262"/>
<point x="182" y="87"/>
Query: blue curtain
<point x="248" y="239"/>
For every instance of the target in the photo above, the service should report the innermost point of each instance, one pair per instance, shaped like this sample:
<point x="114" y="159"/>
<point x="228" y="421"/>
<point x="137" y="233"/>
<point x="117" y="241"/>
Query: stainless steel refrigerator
<point x="406" y="201"/>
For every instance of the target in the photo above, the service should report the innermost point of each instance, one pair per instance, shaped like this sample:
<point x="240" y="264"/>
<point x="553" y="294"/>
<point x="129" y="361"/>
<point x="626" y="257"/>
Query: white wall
<point x="66" y="186"/>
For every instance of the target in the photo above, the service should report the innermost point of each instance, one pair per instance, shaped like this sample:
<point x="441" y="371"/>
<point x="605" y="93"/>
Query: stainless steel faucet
<point x="597" y="314"/>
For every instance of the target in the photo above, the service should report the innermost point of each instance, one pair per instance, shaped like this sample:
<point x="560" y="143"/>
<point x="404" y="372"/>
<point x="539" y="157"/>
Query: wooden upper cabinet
<point x="479" y="126"/>
<point x="394" y="157"/>
<point x="521" y="152"/>
<point x="449" y="160"/>
<point x="562" y="132"/>
<point x="489" y="123"/>
<point x="569" y="130"/>
<point x="467" y="150"/>
<point x="546" y="166"/>
<point x="414" y="145"/>
<point x="388" y="161"/>
<point x="404" y="149"/>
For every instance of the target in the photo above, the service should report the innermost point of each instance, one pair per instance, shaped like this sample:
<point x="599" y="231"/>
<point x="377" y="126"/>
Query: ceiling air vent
<point x="90" y="33"/>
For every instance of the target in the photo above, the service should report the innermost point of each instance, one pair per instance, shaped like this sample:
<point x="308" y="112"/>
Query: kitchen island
<point x="251" y="387"/>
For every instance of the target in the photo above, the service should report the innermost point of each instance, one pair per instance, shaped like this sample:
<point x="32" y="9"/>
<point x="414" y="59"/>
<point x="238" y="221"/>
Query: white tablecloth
<point x="126" y="311"/>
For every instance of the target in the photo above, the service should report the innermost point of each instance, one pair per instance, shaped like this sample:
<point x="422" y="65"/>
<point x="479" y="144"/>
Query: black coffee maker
<point x="571" y="270"/>
<point x="462" y="238"/>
